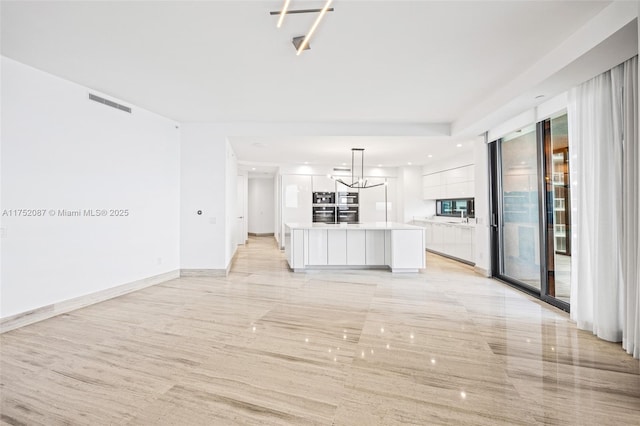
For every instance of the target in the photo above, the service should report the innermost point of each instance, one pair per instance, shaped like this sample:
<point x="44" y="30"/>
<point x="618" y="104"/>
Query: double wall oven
<point x="347" y="206"/>
<point x="324" y="207"/>
<point x="331" y="207"/>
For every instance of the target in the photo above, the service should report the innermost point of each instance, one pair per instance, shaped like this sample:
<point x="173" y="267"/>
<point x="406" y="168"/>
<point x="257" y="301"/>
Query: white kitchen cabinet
<point x="337" y="246"/>
<point x="317" y="246"/>
<point x="432" y="179"/>
<point x="375" y="247"/>
<point x="449" y="242"/>
<point x="453" y="183"/>
<point x="295" y="200"/>
<point x="407" y="250"/>
<point x="455" y="240"/>
<point x="466" y="247"/>
<point x="322" y="184"/>
<point x="438" y="237"/>
<point x="372" y="201"/>
<point x="397" y="246"/>
<point x="428" y="234"/>
<point x="356" y="247"/>
<point x="294" y="247"/>
<point x="344" y="188"/>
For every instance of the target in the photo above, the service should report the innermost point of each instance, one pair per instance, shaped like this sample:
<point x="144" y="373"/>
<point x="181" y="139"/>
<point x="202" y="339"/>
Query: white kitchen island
<point x="375" y="245"/>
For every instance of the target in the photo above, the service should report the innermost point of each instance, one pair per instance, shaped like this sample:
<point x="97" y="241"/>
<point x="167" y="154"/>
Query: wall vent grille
<point x="107" y="102"/>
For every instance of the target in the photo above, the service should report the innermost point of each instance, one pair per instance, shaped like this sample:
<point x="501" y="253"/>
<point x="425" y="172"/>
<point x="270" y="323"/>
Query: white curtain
<point x="631" y="208"/>
<point x="603" y="117"/>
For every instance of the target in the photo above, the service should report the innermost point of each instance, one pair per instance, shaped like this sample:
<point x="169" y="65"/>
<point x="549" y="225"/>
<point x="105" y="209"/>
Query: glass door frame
<point x="547" y="234"/>
<point x="496" y="215"/>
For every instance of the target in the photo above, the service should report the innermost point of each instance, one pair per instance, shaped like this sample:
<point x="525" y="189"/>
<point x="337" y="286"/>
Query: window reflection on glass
<point x="458" y="207"/>
<point x="520" y="248"/>
<point x="559" y="210"/>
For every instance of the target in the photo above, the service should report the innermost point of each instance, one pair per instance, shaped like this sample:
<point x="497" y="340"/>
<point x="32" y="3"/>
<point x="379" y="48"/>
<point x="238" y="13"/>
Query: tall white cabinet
<point x="296" y="199"/>
<point x="322" y="184"/>
<point x="372" y="201"/>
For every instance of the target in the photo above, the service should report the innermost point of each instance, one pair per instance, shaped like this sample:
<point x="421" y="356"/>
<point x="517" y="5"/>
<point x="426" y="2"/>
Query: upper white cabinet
<point x="322" y="184"/>
<point x="344" y="188"/>
<point x="453" y="183"/>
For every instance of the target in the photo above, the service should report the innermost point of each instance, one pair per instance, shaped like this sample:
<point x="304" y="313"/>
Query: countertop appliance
<point x="347" y="207"/>
<point x="350" y="198"/>
<point x="324" y="198"/>
<point x="348" y="214"/>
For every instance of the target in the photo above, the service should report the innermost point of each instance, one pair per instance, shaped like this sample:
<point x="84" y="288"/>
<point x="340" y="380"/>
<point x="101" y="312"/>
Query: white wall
<point x="481" y="166"/>
<point x="277" y="208"/>
<point x="261" y="206"/>
<point x="208" y="183"/>
<point x="62" y="151"/>
<point x="462" y="158"/>
<point x="233" y="227"/>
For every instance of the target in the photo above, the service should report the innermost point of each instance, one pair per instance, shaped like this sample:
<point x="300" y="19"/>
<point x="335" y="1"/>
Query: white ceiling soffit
<point x="225" y="61"/>
<point x="396" y="71"/>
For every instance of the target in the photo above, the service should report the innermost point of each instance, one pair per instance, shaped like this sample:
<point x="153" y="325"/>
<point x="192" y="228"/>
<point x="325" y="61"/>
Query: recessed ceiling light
<point x="344" y="164"/>
<point x="306" y="162"/>
<point x="409" y="163"/>
<point x="379" y="165"/>
<point x="459" y="145"/>
<point x="430" y="156"/>
<point x="253" y="168"/>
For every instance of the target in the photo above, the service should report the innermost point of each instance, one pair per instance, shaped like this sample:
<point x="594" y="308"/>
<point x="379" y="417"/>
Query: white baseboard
<point x="481" y="271"/>
<point x="29" y="317"/>
<point x="204" y="272"/>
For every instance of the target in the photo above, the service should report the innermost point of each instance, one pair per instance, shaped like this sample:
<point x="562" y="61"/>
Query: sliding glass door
<point x="519" y="209"/>
<point x="530" y="215"/>
<point x="558" y="210"/>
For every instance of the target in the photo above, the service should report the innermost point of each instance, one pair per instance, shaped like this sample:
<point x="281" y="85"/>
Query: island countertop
<point x="388" y="226"/>
<point x="396" y="246"/>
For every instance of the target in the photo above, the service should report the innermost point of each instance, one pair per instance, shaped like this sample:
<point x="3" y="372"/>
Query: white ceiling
<point x="225" y="61"/>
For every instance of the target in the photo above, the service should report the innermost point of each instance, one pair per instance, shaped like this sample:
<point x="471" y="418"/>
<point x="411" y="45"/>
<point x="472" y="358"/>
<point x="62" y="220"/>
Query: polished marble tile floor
<point x="267" y="346"/>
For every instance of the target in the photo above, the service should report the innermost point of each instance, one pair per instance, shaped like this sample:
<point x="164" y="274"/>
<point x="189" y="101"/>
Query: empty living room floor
<point x="268" y="346"/>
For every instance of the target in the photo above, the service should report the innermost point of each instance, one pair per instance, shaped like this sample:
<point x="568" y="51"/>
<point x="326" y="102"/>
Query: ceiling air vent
<point x="109" y="103"/>
<point x="338" y="169"/>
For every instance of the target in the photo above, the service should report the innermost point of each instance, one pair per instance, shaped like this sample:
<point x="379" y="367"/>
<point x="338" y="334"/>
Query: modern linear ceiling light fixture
<point x="302" y="42"/>
<point x="357" y="181"/>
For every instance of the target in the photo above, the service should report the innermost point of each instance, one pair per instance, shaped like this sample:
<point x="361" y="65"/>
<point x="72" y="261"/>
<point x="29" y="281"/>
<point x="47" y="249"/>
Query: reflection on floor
<point x="563" y="277"/>
<point x="267" y="346"/>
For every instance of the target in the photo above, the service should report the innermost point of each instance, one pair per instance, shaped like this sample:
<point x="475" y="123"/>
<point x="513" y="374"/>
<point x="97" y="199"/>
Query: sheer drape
<point x="631" y="208"/>
<point x="604" y="180"/>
